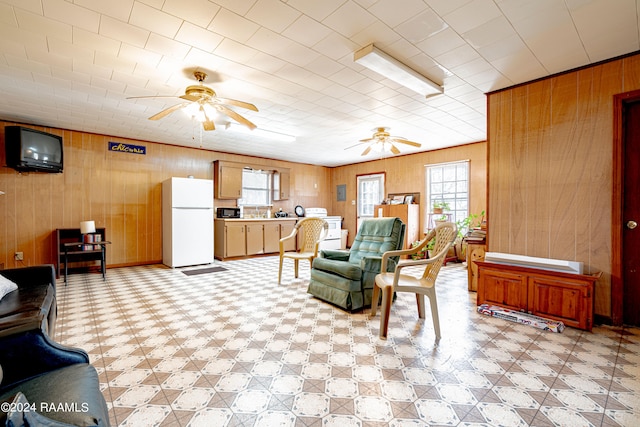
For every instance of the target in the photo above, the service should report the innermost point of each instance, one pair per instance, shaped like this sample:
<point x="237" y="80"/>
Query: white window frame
<point x="267" y="190"/>
<point x="452" y="186"/>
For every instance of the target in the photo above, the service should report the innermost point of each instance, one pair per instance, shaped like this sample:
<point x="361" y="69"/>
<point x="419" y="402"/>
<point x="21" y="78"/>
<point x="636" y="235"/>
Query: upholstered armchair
<point x="346" y="278"/>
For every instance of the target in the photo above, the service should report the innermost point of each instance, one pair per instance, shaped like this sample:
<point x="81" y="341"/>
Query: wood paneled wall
<point x="550" y="148"/>
<point x="406" y="174"/>
<point x="119" y="191"/>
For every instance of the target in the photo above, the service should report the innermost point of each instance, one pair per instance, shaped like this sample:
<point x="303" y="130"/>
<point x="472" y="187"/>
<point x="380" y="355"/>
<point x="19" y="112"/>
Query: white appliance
<point x="187" y="222"/>
<point x="334" y="235"/>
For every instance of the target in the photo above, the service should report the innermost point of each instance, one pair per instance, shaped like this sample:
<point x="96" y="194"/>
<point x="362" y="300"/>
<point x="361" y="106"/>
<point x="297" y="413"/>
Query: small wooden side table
<point x="74" y="249"/>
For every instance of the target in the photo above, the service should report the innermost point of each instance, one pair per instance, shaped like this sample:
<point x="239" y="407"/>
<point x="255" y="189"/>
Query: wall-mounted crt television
<point x="32" y="150"/>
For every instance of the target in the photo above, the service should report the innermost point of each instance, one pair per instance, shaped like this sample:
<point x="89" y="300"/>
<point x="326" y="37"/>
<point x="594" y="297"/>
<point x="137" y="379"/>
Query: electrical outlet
<point x="19" y="256"/>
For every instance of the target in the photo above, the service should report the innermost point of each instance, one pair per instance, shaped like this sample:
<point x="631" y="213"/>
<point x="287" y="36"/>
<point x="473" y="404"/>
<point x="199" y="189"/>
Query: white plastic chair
<point x="445" y="234"/>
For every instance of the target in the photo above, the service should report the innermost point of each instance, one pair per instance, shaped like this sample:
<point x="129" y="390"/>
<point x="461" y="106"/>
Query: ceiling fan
<point x="205" y="103"/>
<point x="383" y="141"/>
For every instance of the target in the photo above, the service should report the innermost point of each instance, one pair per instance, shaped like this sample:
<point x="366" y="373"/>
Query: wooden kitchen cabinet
<point x="271" y="237"/>
<point x="554" y="295"/>
<point x="234" y="238"/>
<point x="286" y="228"/>
<point x="238" y="237"/>
<point x="255" y="238"/>
<point x="227" y="180"/>
<point x="281" y="184"/>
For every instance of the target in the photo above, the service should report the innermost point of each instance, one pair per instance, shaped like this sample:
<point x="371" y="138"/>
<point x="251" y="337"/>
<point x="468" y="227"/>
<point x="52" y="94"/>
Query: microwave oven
<point x="228" y="212"/>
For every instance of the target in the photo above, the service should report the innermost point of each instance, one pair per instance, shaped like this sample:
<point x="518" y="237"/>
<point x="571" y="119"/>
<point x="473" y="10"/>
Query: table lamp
<point x="87" y="227"/>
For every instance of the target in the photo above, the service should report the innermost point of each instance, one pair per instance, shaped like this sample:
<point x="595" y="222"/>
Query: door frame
<point x="617" y="286"/>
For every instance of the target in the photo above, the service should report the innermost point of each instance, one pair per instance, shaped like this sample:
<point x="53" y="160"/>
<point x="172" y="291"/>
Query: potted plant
<point x="422" y="253"/>
<point x="464" y="226"/>
<point x="440" y="206"/>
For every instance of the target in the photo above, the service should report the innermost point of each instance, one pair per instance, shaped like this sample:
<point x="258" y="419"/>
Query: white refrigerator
<point x="187" y="222"/>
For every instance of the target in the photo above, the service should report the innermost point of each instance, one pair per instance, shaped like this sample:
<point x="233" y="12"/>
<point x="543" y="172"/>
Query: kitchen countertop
<point x="257" y="219"/>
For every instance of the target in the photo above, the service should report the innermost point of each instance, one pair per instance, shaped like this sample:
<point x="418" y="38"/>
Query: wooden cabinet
<point x="255" y="238"/>
<point x="227" y="177"/>
<point x="234" y="240"/>
<point x="474" y="252"/>
<point x="281" y="184"/>
<point x="555" y="295"/>
<point x="271" y="232"/>
<point x="237" y="237"/>
<point x="286" y="228"/>
<point x="409" y="214"/>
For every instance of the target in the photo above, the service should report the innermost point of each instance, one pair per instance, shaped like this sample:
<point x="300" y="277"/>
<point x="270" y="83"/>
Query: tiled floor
<point x="232" y="348"/>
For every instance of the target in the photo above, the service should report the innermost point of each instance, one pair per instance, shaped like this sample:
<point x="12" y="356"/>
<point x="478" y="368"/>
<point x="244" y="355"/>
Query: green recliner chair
<point x="346" y="278"/>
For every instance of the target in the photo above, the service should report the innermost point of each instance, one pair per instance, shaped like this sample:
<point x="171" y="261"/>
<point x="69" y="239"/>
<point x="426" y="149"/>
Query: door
<point x="370" y="193"/>
<point x="631" y="213"/>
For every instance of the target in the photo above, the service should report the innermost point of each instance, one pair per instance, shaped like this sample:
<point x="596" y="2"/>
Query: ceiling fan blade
<point x="404" y="141"/>
<point x="366" y="139"/>
<point x="366" y="151"/>
<point x="206" y="124"/>
<point x="168" y="111"/>
<point x="152" y="96"/>
<point x="235" y="102"/>
<point x="235" y="116"/>
<point x="394" y="149"/>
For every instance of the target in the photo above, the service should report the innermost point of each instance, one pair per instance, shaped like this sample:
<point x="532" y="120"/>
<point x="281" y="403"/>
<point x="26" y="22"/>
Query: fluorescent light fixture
<point x="389" y="67"/>
<point x="259" y="132"/>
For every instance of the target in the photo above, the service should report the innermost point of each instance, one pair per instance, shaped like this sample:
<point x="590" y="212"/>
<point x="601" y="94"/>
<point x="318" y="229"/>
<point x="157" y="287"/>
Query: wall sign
<point x="127" y="148"/>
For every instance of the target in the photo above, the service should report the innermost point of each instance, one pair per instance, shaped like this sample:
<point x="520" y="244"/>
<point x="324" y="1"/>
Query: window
<point x="370" y="193"/>
<point x="256" y="188"/>
<point x="449" y="183"/>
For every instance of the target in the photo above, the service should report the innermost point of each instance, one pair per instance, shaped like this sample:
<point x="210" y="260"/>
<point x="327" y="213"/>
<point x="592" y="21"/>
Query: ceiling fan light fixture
<point x="389" y="67"/>
<point x="200" y="112"/>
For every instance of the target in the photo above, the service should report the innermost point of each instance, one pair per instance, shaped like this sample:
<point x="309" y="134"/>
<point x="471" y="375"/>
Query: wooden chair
<point x="310" y="232"/>
<point x="390" y="282"/>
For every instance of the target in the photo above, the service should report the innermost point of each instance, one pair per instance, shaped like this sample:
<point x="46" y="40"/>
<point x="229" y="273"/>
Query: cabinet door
<point x="281" y="184"/>
<point x="255" y="239"/>
<point x="502" y="288"/>
<point x="234" y="240"/>
<point x="229" y="181"/>
<point x="561" y="300"/>
<point x="271" y="237"/>
<point x="286" y="228"/>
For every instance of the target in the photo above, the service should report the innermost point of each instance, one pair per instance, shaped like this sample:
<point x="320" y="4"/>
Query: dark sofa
<point x="38" y="374"/>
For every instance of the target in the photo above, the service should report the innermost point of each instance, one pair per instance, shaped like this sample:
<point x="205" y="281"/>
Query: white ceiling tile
<point x="270" y="42"/>
<point x="118" y="9"/>
<point x="317" y="10"/>
<point x="136" y="55"/>
<point x="38" y="24"/>
<point x="155" y="20"/>
<point x="456" y="57"/>
<point x="91" y="40"/>
<point x="306" y="31"/>
<point x="393" y="14"/>
<point x="422" y="26"/>
<point x="441" y="42"/>
<point x="349" y="19"/>
<point x="335" y="46"/>
<point x="240" y="7"/>
<point x="69" y="50"/>
<point x="122" y="31"/>
<point x="473" y="14"/>
<point x="234" y="51"/>
<point x="166" y="46"/>
<point x="69" y="13"/>
<point x="234" y="26"/>
<point x="199" y="37"/>
<point x="198" y="12"/>
<point x="272" y="14"/>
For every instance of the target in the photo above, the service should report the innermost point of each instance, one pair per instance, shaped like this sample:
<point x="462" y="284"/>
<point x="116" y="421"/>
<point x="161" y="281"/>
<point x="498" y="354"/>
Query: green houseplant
<point x="440" y="206"/>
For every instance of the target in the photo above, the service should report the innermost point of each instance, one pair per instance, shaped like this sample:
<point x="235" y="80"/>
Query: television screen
<point x="33" y="150"/>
